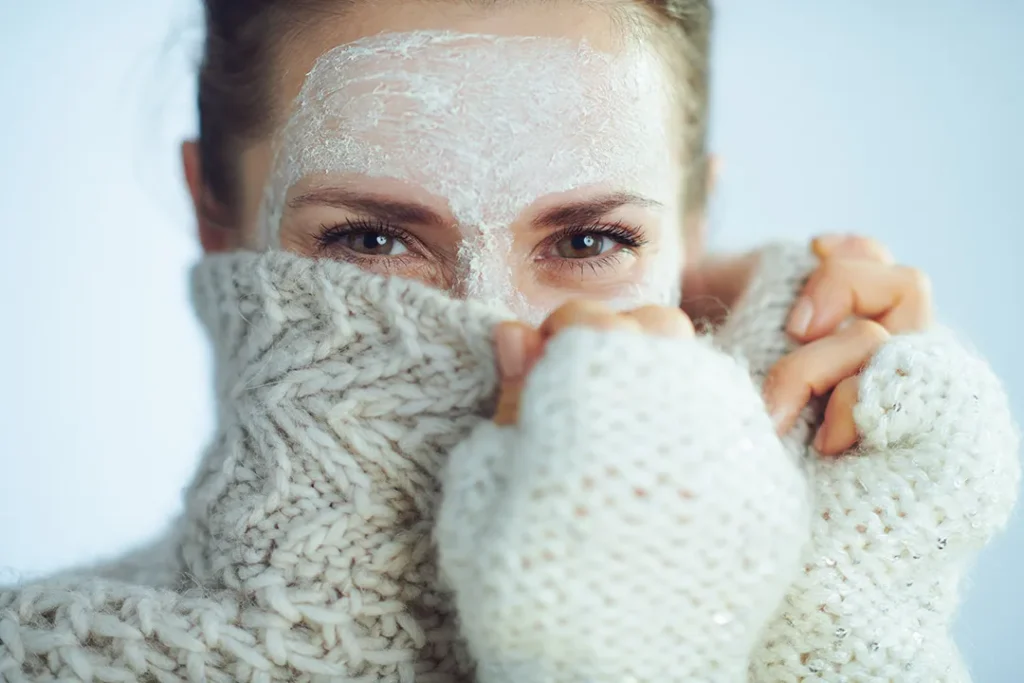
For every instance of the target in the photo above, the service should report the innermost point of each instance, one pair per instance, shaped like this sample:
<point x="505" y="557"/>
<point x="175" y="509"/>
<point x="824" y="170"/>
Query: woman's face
<point x="523" y="156"/>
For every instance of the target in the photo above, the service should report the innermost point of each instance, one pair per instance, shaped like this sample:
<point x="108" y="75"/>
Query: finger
<point x="838" y="431"/>
<point x="517" y="348"/>
<point x="815" y="369"/>
<point x="663" y="321"/>
<point x="583" y="313"/>
<point x="896" y="296"/>
<point x="852" y="247"/>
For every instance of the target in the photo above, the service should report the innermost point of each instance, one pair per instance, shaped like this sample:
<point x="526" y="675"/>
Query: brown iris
<point x="586" y="245"/>
<point x="370" y="243"/>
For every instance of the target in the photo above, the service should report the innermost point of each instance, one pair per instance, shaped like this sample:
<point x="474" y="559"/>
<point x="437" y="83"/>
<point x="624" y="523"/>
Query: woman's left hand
<point x="849" y="307"/>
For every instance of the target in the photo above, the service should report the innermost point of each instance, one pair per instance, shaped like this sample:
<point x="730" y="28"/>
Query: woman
<point x="630" y="511"/>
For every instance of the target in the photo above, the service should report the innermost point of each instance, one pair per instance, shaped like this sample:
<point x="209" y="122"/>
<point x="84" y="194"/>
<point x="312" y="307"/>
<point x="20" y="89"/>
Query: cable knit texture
<point x="358" y="518"/>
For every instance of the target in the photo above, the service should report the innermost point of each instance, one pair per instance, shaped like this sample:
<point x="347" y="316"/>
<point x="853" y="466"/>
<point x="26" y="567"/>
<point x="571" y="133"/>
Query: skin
<point x="548" y="265"/>
<point x="857" y="278"/>
<point x="848" y="309"/>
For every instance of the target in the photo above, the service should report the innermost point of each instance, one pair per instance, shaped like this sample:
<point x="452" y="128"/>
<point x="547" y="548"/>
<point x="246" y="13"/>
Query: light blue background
<point x="896" y="118"/>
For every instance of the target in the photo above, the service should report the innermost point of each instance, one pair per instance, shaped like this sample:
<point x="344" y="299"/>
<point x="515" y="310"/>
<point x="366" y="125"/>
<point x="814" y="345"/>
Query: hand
<point x="519" y="346"/>
<point x="849" y="307"/>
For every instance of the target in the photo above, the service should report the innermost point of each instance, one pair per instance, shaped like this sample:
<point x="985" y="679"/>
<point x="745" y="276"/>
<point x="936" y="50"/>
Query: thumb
<point x="517" y="348"/>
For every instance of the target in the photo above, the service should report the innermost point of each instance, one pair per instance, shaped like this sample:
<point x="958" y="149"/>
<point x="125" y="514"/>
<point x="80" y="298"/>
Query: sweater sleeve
<point x="640" y="523"/>
<point x="942" y="419"/>
<point x="897" y="522"/>
<point x="97" y="630"/>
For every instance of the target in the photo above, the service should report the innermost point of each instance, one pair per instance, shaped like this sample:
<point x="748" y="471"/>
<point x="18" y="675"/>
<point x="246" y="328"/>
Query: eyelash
<point x="331" y="236"/>
<point x="628" y="237"/>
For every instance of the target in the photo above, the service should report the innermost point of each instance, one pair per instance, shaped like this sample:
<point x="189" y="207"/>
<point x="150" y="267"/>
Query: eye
<point x="370" y="243"/>
<point x="584" y="245"/>
<point x="364" y="239"/>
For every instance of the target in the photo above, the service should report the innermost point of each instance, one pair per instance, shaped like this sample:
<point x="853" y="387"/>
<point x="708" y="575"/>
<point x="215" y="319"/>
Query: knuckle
<point x="829" y="272"/>
<point x="686" y="324"/>
<point x="861" y="243"/>
<point x="581" y="307"/>
<point x="678" y="322"/>
<point x="784" y="371"/>
<point x="868" y="330"/>
<point x="616" y="321"/>
<point x="651" y="319"/>
<point x="572" y="313"/>
<point x="870" y="245"/>
<point x="918" y="281"/>
<point x="831" y="275"/>
<point x="862" y="246"/>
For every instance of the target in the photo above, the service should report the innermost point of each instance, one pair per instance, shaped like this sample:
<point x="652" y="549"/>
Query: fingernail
<point x="509" y="345"/>
<point x="800" y="318"/>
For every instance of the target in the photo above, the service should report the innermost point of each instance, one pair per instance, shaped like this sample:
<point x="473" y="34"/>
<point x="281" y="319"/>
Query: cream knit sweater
<point x="641" y="523"/>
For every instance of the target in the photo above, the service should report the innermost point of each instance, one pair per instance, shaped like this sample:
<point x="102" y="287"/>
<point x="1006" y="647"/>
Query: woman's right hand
<point x="519" y="346"/>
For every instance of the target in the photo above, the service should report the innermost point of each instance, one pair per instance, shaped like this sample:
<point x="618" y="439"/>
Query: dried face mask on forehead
<point x="488" y="124"/>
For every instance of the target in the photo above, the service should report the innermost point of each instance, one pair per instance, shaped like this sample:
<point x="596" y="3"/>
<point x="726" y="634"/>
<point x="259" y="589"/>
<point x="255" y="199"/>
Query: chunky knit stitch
<point x="897" y="522"/>
<point x="611" y="523"/>
<point x="641" y="523"/>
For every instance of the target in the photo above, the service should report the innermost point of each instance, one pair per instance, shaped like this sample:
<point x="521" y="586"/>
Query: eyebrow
<point x="591" y="210"/>
<point x="385" y="209"/>
<point x="376" y="206"/>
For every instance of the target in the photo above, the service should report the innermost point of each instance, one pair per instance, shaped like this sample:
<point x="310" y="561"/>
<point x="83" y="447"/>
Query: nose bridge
<point x="485" y="263"/>
<point x="489" y="272"/>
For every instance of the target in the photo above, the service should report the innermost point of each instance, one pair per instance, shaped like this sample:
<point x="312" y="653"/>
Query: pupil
<point x="581" y="246"/>
<point x="585" y="243"/>
<point x="375" y="241"/>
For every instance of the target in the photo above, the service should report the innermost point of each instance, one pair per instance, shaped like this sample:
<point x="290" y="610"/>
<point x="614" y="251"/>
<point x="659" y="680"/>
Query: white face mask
<point x="490" y="124"/>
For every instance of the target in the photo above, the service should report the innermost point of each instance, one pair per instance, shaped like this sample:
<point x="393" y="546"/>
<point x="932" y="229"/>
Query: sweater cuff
<point x="641" y="521"/>
<point x="943" y="420"/>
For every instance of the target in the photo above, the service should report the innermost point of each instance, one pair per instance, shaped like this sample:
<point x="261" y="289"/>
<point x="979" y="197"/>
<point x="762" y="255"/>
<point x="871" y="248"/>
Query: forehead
<point x="472" y="116"/>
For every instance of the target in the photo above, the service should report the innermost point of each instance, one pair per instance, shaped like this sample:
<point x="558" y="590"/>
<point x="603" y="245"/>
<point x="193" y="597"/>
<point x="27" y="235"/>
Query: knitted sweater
<point x="641" y="523"/>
